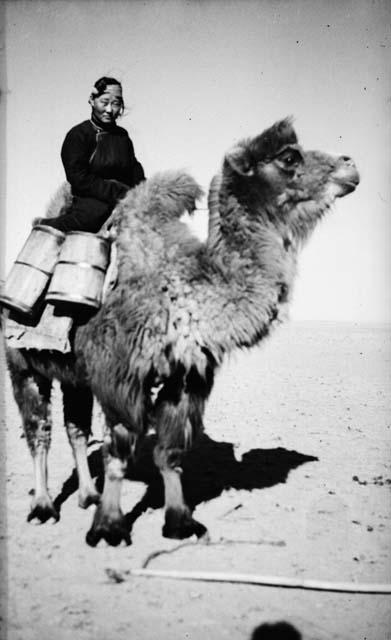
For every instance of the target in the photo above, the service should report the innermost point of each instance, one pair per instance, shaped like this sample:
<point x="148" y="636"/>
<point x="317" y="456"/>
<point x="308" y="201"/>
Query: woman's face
<point x="107" y="107"/>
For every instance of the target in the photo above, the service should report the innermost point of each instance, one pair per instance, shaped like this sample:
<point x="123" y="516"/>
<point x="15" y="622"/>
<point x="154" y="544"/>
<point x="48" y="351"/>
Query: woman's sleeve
<point x="75" y="156"/>
<point x="136" y="167"/>
<point x="138" y="172"/>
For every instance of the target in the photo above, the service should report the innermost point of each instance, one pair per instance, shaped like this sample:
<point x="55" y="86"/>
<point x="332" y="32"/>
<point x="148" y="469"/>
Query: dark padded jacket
<point x="100" y="163"/>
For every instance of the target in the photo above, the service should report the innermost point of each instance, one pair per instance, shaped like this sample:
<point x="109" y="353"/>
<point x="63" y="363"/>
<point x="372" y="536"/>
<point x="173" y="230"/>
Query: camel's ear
<point x="240" y="161"/>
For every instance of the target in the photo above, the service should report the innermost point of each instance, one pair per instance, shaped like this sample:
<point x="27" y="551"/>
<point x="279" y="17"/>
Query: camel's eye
<point x="290" y="158"/>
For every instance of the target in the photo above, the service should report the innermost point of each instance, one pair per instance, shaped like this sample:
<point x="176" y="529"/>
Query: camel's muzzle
<point x="346" y="175"/>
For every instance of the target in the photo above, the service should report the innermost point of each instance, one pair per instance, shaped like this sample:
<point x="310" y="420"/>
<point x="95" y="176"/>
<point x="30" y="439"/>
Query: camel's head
<point x="272" y="175"/>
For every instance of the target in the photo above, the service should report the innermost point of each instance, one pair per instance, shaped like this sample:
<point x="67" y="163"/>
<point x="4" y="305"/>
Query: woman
<point x="99" y="162"/>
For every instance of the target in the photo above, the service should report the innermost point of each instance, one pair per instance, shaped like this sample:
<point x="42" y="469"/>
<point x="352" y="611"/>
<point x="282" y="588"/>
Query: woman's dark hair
<point x="102" y="84"/>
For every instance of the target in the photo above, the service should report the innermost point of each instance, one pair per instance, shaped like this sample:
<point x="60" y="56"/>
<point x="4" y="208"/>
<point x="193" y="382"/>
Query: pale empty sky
<point x="199" y="75"/>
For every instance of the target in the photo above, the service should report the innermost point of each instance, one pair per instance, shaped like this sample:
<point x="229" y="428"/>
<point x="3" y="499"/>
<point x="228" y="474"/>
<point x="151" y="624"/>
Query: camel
<point x="150" y="354"/>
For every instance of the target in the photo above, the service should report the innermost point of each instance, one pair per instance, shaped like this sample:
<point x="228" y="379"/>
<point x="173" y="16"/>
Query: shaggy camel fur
<point x="150" y="354"/>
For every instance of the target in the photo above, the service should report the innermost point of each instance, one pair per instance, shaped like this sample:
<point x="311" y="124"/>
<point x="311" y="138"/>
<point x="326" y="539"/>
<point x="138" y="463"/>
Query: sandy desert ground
<point x="292" y="479"/>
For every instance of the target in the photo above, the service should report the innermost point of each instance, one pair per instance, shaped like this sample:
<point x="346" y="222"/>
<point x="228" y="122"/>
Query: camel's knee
<point x="32" y="395"/>
<point x="117" y="448"/>
<point x="168" y="458"/>
<point x="119" y="443"/>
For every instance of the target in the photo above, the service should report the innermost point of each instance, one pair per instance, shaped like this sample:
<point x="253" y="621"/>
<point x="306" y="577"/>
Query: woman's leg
<point x="85" y="214"/>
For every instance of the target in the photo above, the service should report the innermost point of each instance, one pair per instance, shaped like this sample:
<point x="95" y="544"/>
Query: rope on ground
<point x="221" y="542"/>
<point x="244" y="578"/>
<point x="156" y="554"/>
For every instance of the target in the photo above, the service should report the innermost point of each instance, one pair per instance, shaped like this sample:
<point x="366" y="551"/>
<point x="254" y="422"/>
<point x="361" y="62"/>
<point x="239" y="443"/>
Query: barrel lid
<point x="88" y="234"/>
<point x="84" y="233"/>
<point x="72" y="298"/>
<point x="47" y="229"/>
<point x="14" y="303"/>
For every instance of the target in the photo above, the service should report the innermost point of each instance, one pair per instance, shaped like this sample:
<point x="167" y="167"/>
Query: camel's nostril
<point x="347" y="160"/>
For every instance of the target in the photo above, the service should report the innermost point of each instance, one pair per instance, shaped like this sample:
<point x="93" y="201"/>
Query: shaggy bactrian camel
<point x="179" y="306"/>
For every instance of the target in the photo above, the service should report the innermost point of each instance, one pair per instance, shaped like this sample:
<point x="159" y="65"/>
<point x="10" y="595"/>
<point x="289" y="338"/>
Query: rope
<point x="269" y="581"/>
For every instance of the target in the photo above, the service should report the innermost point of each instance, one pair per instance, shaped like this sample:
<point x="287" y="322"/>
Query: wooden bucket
<point x="32" y="269"/>
<point x="79" y="274"/>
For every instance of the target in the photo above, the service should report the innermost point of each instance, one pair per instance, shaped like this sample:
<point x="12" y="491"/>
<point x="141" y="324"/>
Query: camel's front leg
<point x="109" y="522"/>
<point x="178" y="422"/>
<point x="179" y="523"/>
<point x="78" y="404"/>
<point x="32" y="394"/>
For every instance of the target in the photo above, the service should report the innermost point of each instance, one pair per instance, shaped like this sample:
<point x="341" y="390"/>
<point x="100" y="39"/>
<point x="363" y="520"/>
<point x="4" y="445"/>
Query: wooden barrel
<point x="32" y="269"/>
<point x="79" y="274"/>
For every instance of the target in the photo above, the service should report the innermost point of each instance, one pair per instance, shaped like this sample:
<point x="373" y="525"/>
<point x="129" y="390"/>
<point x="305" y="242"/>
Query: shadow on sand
<point x="208" y="469"/>
<point x="276" y="631"/>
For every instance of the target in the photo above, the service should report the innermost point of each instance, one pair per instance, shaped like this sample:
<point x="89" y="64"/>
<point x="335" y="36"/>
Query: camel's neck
<point x="257" y="257"/>
<point x="242" y="220"/>
<point x="238" y="236"/>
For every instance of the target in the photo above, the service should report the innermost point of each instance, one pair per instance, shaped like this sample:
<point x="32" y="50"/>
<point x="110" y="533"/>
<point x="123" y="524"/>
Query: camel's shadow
<point x="208" y="469"/>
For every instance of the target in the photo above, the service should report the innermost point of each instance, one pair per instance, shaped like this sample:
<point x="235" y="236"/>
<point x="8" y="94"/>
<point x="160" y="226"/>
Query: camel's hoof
<point x="111" y="529"/>
<point x="88" y="498"/>
<point x="180" y="525"/>
<point x="43" y="510"/>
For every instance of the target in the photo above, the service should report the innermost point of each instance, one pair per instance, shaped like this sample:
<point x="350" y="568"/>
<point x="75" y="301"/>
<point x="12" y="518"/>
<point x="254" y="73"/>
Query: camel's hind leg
<point x="78" y="402"/>
<point x="32" y="394"/>
<point x="179" y="420"/>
